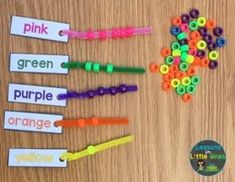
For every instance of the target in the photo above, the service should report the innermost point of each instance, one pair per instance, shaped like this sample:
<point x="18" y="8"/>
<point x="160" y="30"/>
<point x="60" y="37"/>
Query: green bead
<point x="180" y="90"/>
<point x="184" y="56"/>
<point x="88" y="66"/>
<point x="96" y="67"/>
<point x="176" y="53"/>
<point x="175" y="45"/>
<point x="109" y="68"/>
<point x="191" y="89"/>
<point x="169" y="60"/>
<point x="181" y="36"/>
<point x="195" y="80"/>
<point x="193" y="25"/>
<point x="184" y="48"/>
<point x="183" y="66"/>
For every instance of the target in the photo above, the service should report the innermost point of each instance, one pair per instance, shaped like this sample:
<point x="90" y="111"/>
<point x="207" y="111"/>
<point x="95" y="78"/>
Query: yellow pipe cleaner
<point x="92" y="149"/>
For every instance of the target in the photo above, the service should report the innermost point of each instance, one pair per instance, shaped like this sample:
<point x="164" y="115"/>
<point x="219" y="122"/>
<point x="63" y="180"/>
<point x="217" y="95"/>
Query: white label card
<point x="28" y="121"/>
<point x="35" y="94"/>
<point x="36" y="158"/>
<point x="38" y="63"/>
<point x="37" y="28"/>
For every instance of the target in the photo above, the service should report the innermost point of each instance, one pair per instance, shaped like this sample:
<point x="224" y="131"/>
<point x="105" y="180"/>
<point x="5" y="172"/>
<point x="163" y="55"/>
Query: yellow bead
<point x="213" y="55"/>
<point x="190" y="59"/>
<point x="201" y="45"/>
<point x="201" y="21"/>
<point x="164" y="69"/>
<point x="186" y="81"/>
<point x="175" y="83"/>
<point x="91" y="149"/>
<point x="176" y="53"/>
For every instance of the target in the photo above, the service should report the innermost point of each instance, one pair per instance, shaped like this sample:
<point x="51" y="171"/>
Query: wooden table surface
<point x="165" y="128"/>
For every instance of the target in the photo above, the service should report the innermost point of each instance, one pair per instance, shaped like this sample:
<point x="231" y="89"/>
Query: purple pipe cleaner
<point x="98" y="92"/>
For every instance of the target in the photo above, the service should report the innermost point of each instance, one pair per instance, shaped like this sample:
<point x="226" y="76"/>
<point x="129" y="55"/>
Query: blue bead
<point x="221" y="42"/>
<point x="175" y="30"/>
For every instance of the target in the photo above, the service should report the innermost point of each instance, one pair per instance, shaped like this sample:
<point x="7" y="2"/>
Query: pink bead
<point x="115" y="33"/>
<point x="193" y="51"/>
<point x="90" y="35"/>
<point x="123" y="33"/>
<point x="177" y="60"/>
<point x="184" y="27"/>
<point x="103" y="35"/>
<point x="130" y="31"/>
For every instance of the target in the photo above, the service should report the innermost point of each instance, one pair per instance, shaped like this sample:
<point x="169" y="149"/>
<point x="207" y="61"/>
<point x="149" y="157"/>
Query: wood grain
<point x="165" y="129"/>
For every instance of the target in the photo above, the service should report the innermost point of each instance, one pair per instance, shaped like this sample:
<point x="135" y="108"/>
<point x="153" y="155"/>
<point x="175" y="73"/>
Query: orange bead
<point x="197" y="61"/>
<point x="204" y="62"/>
<point x="165" y="52"/>
<point x="81" y="123"/>
<point x="153" y="67"/>
<point x="191" y="71"/>
<point x="173" y="68"/>
<point x="179" y="75"/>
<point x="195" y="35"/>
<point x="166" y="86"/>
<point x="187" y="98"/>
<point x="192" y="44"/>
<point x="94" y="121"/>
<point x="210" y="24"/>
<point x="176" y="21"/>
<point x="168" y="77"/>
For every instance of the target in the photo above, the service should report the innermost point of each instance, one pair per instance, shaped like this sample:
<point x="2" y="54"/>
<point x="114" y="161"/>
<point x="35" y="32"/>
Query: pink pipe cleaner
<point x="104" y="34"/>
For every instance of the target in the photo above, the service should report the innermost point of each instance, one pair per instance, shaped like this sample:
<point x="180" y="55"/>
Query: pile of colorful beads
<point x="195" y="46"/>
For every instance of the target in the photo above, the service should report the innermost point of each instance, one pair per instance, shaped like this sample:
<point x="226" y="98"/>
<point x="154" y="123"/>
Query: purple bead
<point x="208" y="38"/>
<point x="183" y="41"/>
<point x="218" y="31"/>
<point x="194" y="13"/>
<point x="91" y="93"/>
<point x="122" y="88"/>
<point x="213" y="65"/>
<point x="185" y="18"/>
<point x="201" y="53"/>
<point x="101" y="90"/>
<point x="203" y="31"/>
<point x="113" y="90"/>
<point x="211" y="46"/>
